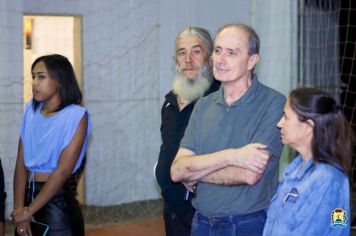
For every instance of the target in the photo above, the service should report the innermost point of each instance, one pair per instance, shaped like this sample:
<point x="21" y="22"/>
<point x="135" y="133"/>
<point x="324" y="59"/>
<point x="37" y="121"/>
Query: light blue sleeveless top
<point x="44" y="138"/>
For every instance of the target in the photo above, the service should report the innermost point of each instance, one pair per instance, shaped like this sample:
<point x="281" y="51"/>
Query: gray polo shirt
<point x="215" y="126"/>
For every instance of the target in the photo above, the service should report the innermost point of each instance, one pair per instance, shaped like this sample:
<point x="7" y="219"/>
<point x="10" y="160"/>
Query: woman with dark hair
<point x="314" y="197"/>
<point x="52" y="145"/>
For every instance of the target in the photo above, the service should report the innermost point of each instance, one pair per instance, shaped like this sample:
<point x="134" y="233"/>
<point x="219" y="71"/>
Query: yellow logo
<point x="338" y="218"/>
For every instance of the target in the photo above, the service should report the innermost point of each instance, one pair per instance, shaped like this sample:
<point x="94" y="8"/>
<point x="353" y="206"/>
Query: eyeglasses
<point x="291" y="196"/>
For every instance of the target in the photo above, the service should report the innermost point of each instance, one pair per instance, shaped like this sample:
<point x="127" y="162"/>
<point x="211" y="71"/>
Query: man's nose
<point x="221" y="58"/>
<point x="188" y="57"/>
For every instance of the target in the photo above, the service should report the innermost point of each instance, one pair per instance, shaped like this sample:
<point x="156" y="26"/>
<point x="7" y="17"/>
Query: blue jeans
<point x="234" y="225"/>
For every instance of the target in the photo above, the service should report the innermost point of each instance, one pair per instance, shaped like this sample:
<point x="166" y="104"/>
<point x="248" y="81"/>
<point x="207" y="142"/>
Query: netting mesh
<point x="348" y="68"/>
<point x="319" y="45"/>
<point x="347" y="60"/>
<point x="327" y="37"/>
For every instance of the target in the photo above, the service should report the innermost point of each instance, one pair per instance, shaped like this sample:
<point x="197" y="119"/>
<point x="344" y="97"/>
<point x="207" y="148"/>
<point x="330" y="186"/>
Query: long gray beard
<point x="188" y="89"/>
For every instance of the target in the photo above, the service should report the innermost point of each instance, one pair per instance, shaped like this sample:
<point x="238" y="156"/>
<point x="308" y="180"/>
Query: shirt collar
<point x="295" y="171"/>
<point x="249" y="95"/>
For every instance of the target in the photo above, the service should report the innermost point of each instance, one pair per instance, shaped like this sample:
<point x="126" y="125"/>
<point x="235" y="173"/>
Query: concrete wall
<point x="11" y="73"/>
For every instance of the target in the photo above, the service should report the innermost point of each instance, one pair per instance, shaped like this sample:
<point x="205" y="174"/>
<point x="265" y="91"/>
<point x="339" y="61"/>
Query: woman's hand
<point x="22" y="218"/>
<point x="20" y="215"/>
<point x="24" y="228"/>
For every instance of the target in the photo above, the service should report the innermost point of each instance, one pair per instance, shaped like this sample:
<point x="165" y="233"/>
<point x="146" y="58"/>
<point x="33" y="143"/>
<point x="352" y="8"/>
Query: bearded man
<point x="193" y="80"/>
<point x="231" y="147"/>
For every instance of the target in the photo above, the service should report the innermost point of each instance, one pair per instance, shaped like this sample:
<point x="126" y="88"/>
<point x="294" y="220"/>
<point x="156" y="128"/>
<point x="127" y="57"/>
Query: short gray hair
<point x="201" y="33"/>
<point x="253" y="39"/>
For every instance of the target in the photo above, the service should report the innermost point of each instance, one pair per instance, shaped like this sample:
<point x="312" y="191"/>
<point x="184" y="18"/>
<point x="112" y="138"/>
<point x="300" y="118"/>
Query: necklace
<point x="183" y="102"/>
<point x="47" y="111"/>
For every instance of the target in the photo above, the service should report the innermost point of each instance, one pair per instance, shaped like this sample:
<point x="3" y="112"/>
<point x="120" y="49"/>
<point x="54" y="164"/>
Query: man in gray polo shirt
<point x="230" y="151"/>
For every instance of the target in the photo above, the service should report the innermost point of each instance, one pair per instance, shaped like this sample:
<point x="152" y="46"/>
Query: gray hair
<point x="203" y="34"/>
<point x="253" y="39"/>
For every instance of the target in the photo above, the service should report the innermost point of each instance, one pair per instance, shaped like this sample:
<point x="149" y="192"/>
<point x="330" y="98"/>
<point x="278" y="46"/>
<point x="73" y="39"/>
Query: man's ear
<point x="252" y="61"/>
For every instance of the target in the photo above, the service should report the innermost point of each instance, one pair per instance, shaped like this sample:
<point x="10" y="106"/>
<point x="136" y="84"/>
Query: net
<point x="327" y="36"/>
<point x="327" y="39"/>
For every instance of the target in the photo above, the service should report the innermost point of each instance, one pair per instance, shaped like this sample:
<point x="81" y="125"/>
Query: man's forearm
<point x="232" y="175"/>
<point x="190" y="167"/>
